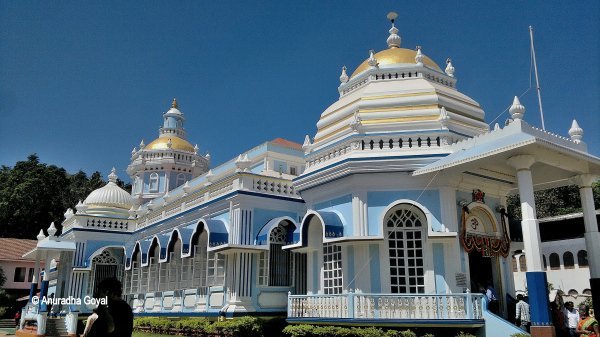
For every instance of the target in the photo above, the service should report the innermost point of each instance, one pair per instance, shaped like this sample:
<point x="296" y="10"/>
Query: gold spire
<point x="174" y="104"/>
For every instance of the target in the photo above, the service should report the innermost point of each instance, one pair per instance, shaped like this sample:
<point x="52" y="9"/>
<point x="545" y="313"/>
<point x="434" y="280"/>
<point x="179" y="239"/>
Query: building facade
<point x="393" y="212"/>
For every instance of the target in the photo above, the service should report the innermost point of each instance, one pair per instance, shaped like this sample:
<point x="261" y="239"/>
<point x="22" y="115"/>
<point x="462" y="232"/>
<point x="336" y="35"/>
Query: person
<point x="17" y="319"/>
<point x="571" y="319"/>
<point x="49" y="306"/>
<point x="587" y="326"/>
<point x="94" y="327"/>
<point x="522" y="313"/>
<point x="119" y="316"/>
<point x="492" y="299"/>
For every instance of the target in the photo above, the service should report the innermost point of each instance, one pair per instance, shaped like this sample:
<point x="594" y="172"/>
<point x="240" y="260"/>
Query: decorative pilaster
<point x="359" y="213"/>
<point x="592" y="236"/>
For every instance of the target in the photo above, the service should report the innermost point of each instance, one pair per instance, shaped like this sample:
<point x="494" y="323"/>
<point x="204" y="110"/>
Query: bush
<point x="520" y="334"/>
<point x="464" y="334"/>
<point x="302" y="330"/>
<point x="405" y="333"/>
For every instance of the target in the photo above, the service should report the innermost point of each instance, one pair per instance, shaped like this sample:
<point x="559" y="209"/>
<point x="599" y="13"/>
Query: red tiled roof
<point x="13" y="249"/>
<point x="287" y="143"/>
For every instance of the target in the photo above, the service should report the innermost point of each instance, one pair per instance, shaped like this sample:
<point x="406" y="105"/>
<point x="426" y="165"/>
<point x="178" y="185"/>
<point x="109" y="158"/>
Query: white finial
<point x="142" y="145"/>
<point x="196" y="148"/>
<point x="394" y="39"/>
<point x="207" y="156"/>
<point x="449" y="68"/>
<point x="344" y="76"/>
<point x="517" y="110"/>
<point x="444" y="117"/>
<point x="210" y="176"/>
<point x="372" y="60"/>
<point x="307" y="145"/>
<point x="133" y="151"/>
<point x="419" y="56"/>
<point x="68" y="214"/>
<point x="576" y="132"/>
<point x="496" y="127"/>
<point x="41" y="236"/>
<point x="132" y="212"/>
<point x="169" y="144"/>
<point x="81" y="208"/>
<point x="51" y="230"/>
<point x="112" y="177"/>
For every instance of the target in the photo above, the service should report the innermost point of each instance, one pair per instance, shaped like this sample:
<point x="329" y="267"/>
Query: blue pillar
<point x="43" y="293"/>
<point x="537" y="289"/>
<point x="32" y="290"/>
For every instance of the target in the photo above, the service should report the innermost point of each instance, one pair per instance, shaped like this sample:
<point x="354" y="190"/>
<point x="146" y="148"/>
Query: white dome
<point x="109" y="200"/>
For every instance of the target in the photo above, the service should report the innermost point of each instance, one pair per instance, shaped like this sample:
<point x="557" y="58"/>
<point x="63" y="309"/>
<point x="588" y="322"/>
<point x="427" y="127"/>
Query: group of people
<point x="569" y="322"/>
<point x="115" y="318"/>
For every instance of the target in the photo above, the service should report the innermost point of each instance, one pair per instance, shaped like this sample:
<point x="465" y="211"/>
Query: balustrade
<point x="387" y="306"/>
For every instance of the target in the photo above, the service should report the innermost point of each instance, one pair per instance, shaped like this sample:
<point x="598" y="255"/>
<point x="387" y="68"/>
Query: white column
<point x="529" y="222"/>
<point x="592" y="236"/>
<point x="359" y="213"/>
<point x="36" y="269"/>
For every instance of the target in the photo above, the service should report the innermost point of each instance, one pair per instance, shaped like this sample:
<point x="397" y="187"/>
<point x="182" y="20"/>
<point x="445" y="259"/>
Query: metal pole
<point x="537" y="81"/>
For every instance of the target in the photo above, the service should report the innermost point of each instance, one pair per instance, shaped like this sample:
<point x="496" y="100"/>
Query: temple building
<point x="392" y="213"/>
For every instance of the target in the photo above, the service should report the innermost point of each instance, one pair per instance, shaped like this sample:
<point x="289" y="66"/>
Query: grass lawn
<point x="145" y="334"/>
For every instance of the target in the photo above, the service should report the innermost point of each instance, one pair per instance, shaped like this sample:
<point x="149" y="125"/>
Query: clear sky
<point x="82" y="82"/>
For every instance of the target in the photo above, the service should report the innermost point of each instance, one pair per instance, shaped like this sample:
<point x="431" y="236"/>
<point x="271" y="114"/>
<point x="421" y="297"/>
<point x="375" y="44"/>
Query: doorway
<point x="485" y="271"/>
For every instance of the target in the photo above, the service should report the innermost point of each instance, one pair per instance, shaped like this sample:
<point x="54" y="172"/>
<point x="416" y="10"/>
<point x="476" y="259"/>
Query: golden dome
<point x="177" y="143"/>
<point x="394" y="56"/>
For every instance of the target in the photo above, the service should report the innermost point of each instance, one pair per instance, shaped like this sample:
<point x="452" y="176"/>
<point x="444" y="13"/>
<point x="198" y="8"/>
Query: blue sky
<point x="83" y="82"/>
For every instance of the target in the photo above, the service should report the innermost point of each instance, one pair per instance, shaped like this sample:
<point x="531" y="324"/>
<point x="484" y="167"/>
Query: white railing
<point x="387" y="306"/>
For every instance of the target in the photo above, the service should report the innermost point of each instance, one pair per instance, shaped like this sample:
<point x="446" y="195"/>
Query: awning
<point x="293" y="234"/>
<point x="144" y="245"/>
<point x="217" y="233"/>
<point x="163" y="241"/>
<point x="185" y="234"/>
<point x="129" y="247"/>
<point x="333" y="229"/>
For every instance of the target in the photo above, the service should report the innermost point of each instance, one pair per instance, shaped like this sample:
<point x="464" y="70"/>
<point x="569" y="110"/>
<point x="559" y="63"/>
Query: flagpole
<point x="537" y="81"/>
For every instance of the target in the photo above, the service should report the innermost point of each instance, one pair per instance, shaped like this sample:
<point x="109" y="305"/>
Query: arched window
<point x="515" y="267"/>
<point x="153" y="187"/>
<point x="274" y="268"/>
<point x="573" y="293"/>
<point x="554" y="261"/>
<point x="582" y="259"/>
<point x="568" y="260"/>
<point x="404" y="225"/>
<point x="523" y="262"/>
<point x="587" y="291"/>
<point x="180" y="179"/>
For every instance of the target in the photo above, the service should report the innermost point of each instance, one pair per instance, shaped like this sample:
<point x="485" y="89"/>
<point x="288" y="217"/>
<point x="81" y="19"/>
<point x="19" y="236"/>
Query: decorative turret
<point x="142" y="145"/>
<point x="393" y="41"/>
<point x="69" y="213"/>
<point x="242" y="163"/>
<point x="307" y="145"/>
<point x="344" y="76"/>
<point x="449" y="68"/>
<point x="419" y="57"/>
<point x="444" y="117"/>
<point x="576" y="132"/>
<point x="372" y="60"/>
<point x="517" y="110"/>
<point x="81" y="208"/>
<point x="168" y="161"/>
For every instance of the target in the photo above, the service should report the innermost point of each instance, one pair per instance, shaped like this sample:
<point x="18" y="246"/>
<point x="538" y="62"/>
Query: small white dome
<point x="109" y="200"/>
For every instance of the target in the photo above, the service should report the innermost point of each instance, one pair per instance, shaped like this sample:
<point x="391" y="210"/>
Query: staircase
<point x="55" y="327"/>
<point x="7" y="323"/>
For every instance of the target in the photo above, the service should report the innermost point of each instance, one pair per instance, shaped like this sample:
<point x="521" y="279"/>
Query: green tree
<point x="34" y="194"/>
<point x="553" y="202"/>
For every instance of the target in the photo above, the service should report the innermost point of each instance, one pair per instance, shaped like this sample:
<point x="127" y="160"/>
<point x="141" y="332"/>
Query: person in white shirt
<point x="522" y="316"/>
<point x="571" y="319"/>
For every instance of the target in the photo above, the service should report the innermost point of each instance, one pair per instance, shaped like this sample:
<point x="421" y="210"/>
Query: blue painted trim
<point x="537" y="289"/>
<point x="375" y="268"/>
<point x="490" y="178"/>
<point x="32" y="290"/>
<point x="370" y="159"/>
<point x="43" y="293"/>
<point x="460" y="134"/>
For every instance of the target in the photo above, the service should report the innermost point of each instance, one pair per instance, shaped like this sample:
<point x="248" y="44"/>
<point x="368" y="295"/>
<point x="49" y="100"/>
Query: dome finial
<point x="576" y="132"/>
<point x="517" y="110"/>
<point x="344" y="76"/>
<point x="449" y="68"/>
<point x="419" y="56"/>
<point x="394" y="39"/>
<point x="112" y="177"/>
<point x="174" y="104"/>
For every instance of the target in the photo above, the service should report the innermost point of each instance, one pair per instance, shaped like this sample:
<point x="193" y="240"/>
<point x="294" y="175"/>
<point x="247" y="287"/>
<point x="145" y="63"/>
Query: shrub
<point x="302" y="330"/>
<point x="464" y="334"/>
<point x="520" y="334"/>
